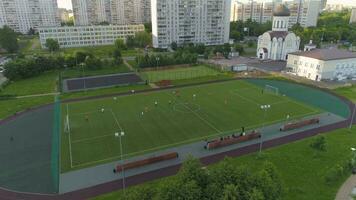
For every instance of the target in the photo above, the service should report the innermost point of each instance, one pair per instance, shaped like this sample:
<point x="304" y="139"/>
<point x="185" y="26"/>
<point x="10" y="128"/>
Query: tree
<point x="239" y="48"/>
<point x="269" y="182"/>
<point x="117" y="56"/>
<point x="226" y="50"/>
<point x="236" y="35"/>
<point x="192" y="171"/>
<point x="255" y="194"/>
<point x="93" y="63"/>
<point x="120" y="44"/>
<point x="177" y="189"/>
<point x="230" y="192"/>
<point x="148" y="27"/>
<point x="174" y="46"/>
<point x="8" y="39"/>
<point x="143" y="39"/>
<point x="52" y="45"/>
<point x="319" y="143"/>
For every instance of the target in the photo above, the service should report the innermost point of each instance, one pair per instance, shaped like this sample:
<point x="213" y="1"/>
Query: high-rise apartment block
<point x="304" y="12"/>
<point x="353" y="16"/>
<point x="190" y="21"/>
<point x="90" y="12"/>
<point x="22" y="15"/>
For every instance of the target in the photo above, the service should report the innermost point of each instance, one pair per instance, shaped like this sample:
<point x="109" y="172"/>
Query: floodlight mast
<point x="264" y="108"/>
<point x="119" y="135"/>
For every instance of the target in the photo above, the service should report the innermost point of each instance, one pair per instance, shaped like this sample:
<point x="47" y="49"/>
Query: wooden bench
<point x="148" y="161"/>
<point x="230" y="140"/>
<point x="300" y="124"/>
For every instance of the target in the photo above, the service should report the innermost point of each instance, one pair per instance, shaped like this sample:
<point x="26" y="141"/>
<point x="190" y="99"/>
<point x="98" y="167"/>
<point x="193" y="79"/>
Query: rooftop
<point x="326" y="54"/>
<point x="281" y="11"/>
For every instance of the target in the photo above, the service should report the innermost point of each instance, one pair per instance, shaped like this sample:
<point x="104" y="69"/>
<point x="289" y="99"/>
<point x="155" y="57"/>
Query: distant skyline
<point x="346" y="2"/>
<point x="68" y="3"/>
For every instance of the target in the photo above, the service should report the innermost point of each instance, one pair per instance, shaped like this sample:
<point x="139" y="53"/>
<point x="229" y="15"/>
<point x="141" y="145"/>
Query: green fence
<point x="55" y="157"/>
<point x="308" y="95"/>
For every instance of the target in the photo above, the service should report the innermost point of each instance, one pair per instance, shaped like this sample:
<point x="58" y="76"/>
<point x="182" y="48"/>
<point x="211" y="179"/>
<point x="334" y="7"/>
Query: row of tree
<point x="225" y="181"/>
<point x="8" y="39"/>
<point x="178" y="58"/>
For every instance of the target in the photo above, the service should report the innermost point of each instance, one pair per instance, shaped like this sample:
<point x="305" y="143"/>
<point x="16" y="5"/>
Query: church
<point x="276" y="44"/>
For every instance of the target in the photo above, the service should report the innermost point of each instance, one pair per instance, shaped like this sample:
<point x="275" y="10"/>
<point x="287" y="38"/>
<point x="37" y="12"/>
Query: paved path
<point x="346" y="189"/>
<point x="129" y="66"/>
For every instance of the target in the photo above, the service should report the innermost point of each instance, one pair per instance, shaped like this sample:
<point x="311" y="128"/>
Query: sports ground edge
<point x="171" y="170"/>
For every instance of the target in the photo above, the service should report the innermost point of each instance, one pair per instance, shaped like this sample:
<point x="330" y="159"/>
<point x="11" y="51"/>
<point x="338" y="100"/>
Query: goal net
<point x="271" y="89"/>
<point x="66" y="125"/>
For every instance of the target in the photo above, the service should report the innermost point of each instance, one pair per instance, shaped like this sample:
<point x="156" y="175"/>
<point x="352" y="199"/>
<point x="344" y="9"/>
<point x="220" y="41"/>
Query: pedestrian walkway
<point x="347" y="189"/>
<point x="100" y="174"/>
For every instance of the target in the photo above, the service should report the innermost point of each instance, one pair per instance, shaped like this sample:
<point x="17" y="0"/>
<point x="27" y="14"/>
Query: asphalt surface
<point x="169" y="171"/>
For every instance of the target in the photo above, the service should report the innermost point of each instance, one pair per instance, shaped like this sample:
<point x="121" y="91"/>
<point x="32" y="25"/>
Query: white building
<point x="323" y="64"/>
<point x="276" y="44"/>
<point x="22" y="15"/>
<point x="190" y="21"/>
<point x="130" y="11"/>
<point x="80" y="36"/>
<point x="353" y="16"/>
<point x="304" y="12"/>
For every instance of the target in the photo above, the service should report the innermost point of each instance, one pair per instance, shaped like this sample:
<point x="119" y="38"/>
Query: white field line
<point x="70" y="142"/>
<point x="200" y="117"/>
<point x="92" y="138"/>
<point x="245" y="98"/>
<point x="188" y="141"/>
<point x="116" y="120"/>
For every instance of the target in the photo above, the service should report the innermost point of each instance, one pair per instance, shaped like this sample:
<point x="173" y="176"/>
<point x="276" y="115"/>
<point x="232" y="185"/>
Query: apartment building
<point x="352" y="18"/>
<point x="91" y="12"/>
<point x="304" y="12"/>
<point x="81" y="36"/>
<point x="22" y="15"/>
<point x="190" y="21"/>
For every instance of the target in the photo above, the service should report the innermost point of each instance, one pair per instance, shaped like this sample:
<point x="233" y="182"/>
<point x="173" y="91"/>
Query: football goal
<point x="271" y="89"/>
<point x="66" y="124"/>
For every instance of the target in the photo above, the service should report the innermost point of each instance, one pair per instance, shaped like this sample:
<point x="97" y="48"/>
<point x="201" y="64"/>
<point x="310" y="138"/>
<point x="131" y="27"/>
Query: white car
<point x="2" y="69"/>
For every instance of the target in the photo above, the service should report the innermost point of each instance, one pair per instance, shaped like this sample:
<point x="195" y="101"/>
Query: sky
<point x="65" y="4"/>
<point x="68" y="3"/>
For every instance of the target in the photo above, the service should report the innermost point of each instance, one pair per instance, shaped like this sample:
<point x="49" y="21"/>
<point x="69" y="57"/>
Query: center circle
<point x="186" y="107"/>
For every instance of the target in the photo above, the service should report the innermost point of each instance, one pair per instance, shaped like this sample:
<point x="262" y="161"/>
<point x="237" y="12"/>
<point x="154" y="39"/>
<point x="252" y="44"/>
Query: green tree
<point x="255" y="194"/>
<point x="192" y="171"/>
<point x="120" y="44"/>
<point x="230" y="192"/>
<point x="319" y="143"/>
<point x="269" y="182"/>
<point x="239" y="48"/>
<point x="174" y="46"/>
<point x="93" y="63"/>
<point x="52" y="45"/>
<point x="177" y="189"/>
<point x="144" y="193"/>
<point x="117" y="56"/>
<point x="8" y="39"/>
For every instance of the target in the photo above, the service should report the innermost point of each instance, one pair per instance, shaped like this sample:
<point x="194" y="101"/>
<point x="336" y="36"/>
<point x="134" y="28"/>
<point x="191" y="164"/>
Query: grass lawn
<point x="349" y="92"/>
<point x="44" y="83"/>
<point x="10" y="107"/>
<point x="217" y="109"/>
<point x="100" y="51"/>
<point x="179" y="73"/>
<point x="78" y="72"/>
<point x="301" y="168"/>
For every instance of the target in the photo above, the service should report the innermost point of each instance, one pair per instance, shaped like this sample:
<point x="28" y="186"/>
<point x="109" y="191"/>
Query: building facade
<point x="304" y="12"/>
<point x="353" y="16"/>
<point x="276" y="44"/>
<point x="323" y="64"/>
<point x="80" y="36"/>
<point x="119" y="12"/>
<point x="190" y="21"/>
<point x="23" y="15"/>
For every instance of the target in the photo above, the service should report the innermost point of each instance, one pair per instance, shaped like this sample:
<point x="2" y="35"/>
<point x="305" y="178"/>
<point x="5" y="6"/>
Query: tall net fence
<point x="55" y="155"/>
<point x="307" y="95"/>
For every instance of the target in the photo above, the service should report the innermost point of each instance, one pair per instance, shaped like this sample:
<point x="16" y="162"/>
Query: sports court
<point x="95" y="82"/>
<point x="162" y="119"/>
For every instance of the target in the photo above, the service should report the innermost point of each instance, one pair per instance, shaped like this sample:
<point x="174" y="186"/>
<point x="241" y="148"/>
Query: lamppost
<point x="157" y="60"/>
<point x="83" y="75"/>
<point x="264" y="108"/>
<point x="353" y="116"/>
<point x="119" y="135"/>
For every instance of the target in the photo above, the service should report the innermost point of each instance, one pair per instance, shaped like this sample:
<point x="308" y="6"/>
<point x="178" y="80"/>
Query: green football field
<point x="181" y="116"/>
